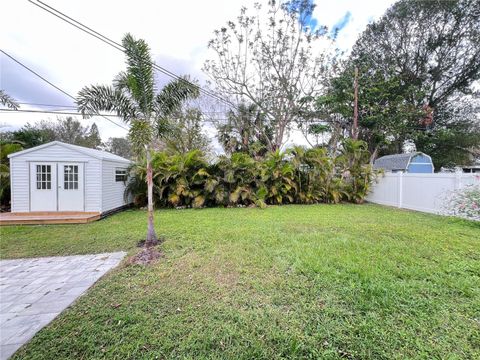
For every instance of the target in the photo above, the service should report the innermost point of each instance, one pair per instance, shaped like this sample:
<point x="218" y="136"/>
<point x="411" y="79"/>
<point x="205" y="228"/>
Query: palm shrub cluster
<point x="296" y="176"/>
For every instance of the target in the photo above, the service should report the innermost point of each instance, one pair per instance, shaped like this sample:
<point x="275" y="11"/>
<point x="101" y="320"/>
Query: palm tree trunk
<point x="152" y="239"/>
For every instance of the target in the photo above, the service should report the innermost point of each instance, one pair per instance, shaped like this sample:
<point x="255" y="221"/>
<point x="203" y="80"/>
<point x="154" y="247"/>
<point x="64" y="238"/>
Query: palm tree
<point x="8" y="101"/>
<point x="134" y="97"/>
<point x="246" y="130"/>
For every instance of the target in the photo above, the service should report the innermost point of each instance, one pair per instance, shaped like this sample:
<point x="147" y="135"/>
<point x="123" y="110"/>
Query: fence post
<point x="458" y="181"/>
<point x="400" y="189"/>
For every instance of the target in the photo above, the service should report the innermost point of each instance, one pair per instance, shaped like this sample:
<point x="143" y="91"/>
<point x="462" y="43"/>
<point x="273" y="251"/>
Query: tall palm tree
<point x="134" y="98"/>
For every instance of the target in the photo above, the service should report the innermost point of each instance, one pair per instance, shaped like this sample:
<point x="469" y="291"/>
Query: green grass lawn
<point x="322" y="282"/>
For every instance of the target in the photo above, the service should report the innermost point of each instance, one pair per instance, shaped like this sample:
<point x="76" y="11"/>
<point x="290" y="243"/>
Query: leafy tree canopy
<point x="185" y="132"/>
<point x="119" y="146"/>
<point x="418" y="66"/>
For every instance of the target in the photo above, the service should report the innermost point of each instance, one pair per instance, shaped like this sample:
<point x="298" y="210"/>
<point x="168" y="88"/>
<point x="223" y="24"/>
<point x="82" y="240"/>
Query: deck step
<point x="44" y="218"/>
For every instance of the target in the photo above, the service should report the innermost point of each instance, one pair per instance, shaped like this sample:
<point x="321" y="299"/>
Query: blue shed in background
<point x="416" y="162"/>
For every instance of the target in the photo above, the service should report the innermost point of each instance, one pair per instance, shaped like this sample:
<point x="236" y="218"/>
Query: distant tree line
<point x="67" y="130"/>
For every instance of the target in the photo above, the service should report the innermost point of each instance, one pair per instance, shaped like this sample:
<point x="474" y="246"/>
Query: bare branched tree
<point x="272" y="59"/>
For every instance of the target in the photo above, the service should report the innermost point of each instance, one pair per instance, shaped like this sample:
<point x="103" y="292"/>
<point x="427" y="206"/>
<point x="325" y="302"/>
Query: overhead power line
<point x="37" y="74"/>
<point x="60" y="112"/>
<point x="63" y="106"/>
<point x="120" y="47"/>
<point x="47" y="105"/>
<point x="54" y="86"/>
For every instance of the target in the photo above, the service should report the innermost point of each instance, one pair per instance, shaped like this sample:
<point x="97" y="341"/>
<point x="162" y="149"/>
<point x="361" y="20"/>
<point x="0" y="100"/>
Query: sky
<point x="176" y="31"/>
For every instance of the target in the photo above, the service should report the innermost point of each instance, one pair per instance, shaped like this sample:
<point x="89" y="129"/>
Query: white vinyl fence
<point x="421" y="192"/>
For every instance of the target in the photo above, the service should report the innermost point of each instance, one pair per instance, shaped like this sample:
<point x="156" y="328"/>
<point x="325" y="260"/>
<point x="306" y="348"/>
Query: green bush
<point x="5" y="150"/>
<point x="296" y="176"/>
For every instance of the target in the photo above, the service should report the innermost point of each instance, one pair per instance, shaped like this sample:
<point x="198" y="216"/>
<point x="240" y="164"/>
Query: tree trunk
<point x="374" y="155"/>
<point x="151" y="239"/>
<point x="355" y="106"/>
<point x="280" y="134"/>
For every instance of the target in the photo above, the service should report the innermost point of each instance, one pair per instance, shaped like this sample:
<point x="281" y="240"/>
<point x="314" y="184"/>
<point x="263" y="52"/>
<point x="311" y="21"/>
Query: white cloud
<point x="362" y="12"/>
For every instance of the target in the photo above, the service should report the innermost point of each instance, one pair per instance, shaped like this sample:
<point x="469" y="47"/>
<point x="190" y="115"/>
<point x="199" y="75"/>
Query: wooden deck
<point x="43" y="218"/>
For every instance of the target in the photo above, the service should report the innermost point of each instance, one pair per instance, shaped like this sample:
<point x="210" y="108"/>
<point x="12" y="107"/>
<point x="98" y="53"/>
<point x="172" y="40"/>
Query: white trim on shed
<point x="65" y="177"/>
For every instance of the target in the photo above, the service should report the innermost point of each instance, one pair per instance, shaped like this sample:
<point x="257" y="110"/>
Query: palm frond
<point x="173" y="95"/>
<point x="121" y="82"/>
<point x="8" y="101"/>
<point x="140" y="81"/>
<point x="95" y="98"/>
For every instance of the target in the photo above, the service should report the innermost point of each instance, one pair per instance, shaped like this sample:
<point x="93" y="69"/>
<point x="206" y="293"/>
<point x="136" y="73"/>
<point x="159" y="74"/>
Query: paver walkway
<point x="34" y="291"/>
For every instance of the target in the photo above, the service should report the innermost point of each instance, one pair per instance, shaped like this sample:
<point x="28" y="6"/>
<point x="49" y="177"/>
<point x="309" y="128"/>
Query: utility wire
<point x="47" y="105"/>
<point x="54" y="86"/>
<point x="74" y="107"/>
<point x="61" y="112"/>
<point x="215" y="120"/>
<point x="37" y="75"/>
<point x="120" y="47"/>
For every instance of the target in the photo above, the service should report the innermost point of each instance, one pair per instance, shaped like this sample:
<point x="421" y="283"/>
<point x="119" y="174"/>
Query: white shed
<point x="57" y="177"/>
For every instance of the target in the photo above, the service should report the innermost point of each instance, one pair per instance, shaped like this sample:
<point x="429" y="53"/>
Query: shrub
<point x="296" y="176"/>
<point x="5" y="150"/>
<point x="464" y="203"/>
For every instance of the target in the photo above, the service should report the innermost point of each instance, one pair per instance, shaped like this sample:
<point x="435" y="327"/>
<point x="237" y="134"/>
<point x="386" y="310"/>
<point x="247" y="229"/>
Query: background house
<point x="57" y="177"/>
<point x="416" y="162"/>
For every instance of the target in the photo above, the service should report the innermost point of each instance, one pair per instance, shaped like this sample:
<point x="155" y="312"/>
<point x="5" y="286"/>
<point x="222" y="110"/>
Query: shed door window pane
<point x="70" y="177"/>
<point x="44" y="177"/>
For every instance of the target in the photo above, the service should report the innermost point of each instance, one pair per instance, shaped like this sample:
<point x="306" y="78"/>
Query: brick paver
<point x="34" y="291"/>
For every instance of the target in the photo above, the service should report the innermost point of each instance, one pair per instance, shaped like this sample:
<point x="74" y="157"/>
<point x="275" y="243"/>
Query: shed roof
<point x="98" y="154"/>
<point x="395" y="162"/>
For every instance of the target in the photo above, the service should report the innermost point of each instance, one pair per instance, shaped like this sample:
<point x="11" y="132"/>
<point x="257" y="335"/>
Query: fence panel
<point x="421" y="192"/>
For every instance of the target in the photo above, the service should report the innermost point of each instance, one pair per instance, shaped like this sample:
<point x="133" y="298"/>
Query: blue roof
<point x="396" y="162"/>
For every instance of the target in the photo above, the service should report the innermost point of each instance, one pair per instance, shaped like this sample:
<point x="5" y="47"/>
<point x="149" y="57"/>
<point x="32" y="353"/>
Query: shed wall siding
<point x="420" y="168"/>
<point x="19" y="185"/>
<point x="55" y="153"/>
<point x="112" y="190"/>
<point x="93" y="185"/>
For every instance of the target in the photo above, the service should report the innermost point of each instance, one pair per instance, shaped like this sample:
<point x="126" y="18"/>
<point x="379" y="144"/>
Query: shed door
<point x="70" y="187"/>
<point x="43" y="186"/>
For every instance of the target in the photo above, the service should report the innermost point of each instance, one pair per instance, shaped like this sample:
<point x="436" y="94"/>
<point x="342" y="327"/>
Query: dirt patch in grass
<point x="145" y="256"/>
<point x="141" y="243"/>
